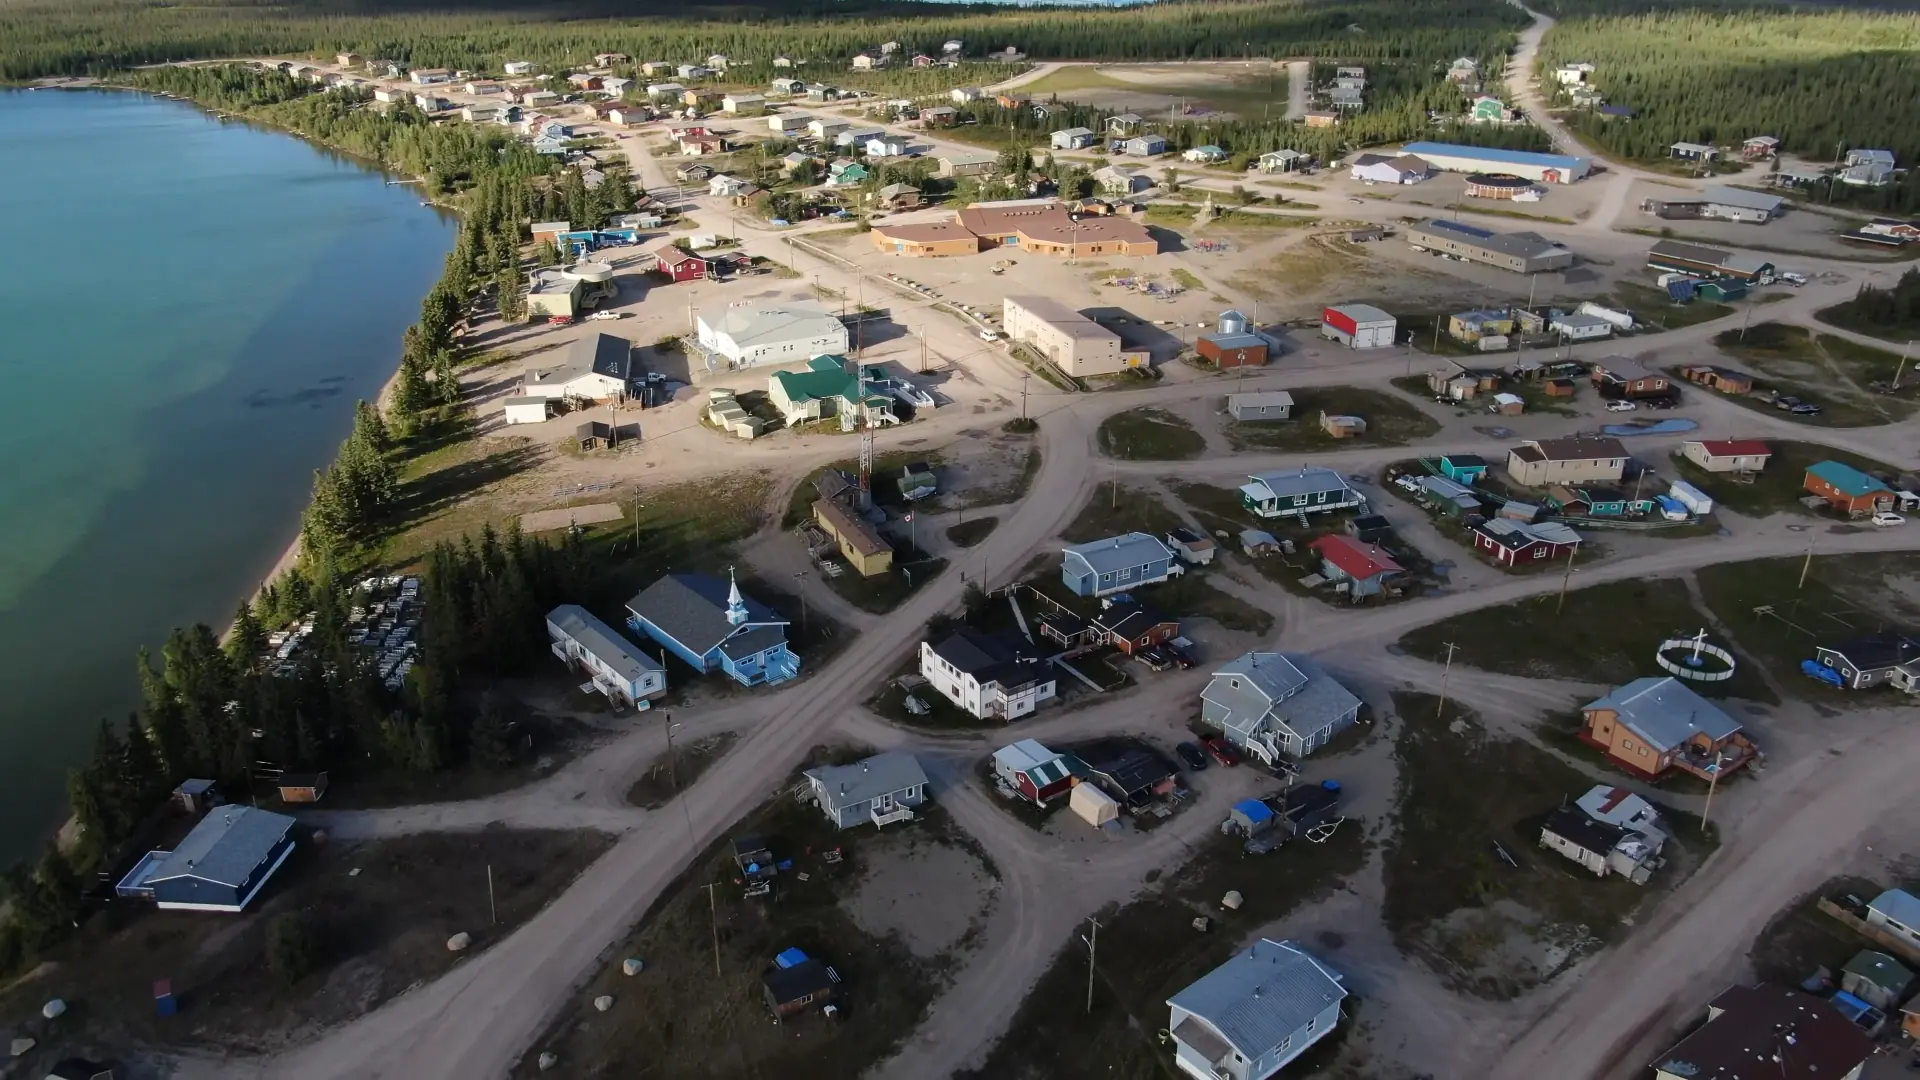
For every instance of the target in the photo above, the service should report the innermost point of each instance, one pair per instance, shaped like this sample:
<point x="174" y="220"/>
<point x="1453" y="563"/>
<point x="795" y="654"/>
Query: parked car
<point x="601" y="316"/>
<point x="1787" y="402"/>
<point x="1180" y="656"/>
<point x="1222" y="750"/>
<point x="1806" y="408"/>
<point x="1887" y="517"/>
<point x="1191" y="756"/>
<point x="1154" y="657"/>
<point x="1621" y="406"/>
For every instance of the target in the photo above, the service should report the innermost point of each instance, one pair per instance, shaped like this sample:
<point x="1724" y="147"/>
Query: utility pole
<point x="800" y="587"/>
<point x="492" y="908"/>
<point x="1445" y="673"/>
<point x="1712" y="782"/>
<point x="713" y="921"/>
<point x="1565" y="579"/>
<point x="1025" y="375"/>
<point x="1902" y="369"/>
<point x="1092" y="938"/>
<point x="1807" y="565"/>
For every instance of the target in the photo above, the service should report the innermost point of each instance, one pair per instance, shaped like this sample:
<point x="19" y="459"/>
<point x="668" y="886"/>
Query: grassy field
<point x="1803" y="938"/>
<point x="1304" y="268"/>
<point x="1149" y="434"/>
<point x="882" y="593"/>
<point x="1391" y="421"/>
<point x="1114" y="511"/>
<point x="1148" y="950"/>
<point x="1604" y="634"/>
<point x="379" y="913"/>
<point x="679" y="1018"/>
<point x="965" y="534"/>
<point x="1652" y="306"/>
<point x="1253" y="94"/>
<point x="1461" y="792"/>
<point x="1843" y="595"/>
<point x="667" y="775"/>
<point x="1828" y="370"/>
<point x="1779" y="487"/>
<point x="1181" y="216"/>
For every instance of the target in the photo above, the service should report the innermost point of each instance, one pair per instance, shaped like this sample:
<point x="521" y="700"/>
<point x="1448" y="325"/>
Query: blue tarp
<point x="1254" y="810"/>
<point x="1682" y="290"/>
<point x="790" y="958"/>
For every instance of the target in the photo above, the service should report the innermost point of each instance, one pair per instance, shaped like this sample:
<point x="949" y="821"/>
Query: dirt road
<point x="1299" y="72"/>
<point x="1624" y="1008"/>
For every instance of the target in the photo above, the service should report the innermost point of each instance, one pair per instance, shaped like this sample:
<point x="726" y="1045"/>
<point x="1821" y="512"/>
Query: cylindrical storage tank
<point x="1233" y="322"/>
<point x="590" y="272"/>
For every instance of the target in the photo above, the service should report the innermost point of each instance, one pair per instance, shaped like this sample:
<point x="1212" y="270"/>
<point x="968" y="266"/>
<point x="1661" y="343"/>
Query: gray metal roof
<point x="1740" y="197"/>
<point x="1285" y="483"/>
<point x="605" y="643"/>
<point x="1286" y="690"/>
<point x="1260" y="399"/>
<point x="749" y="326"/>
<point x="1520" y="245"/>
<point x="1262" y="995"/>
<point x="226" y="847"/>
<point x="692" y="609"/>
<point x="1667" y="712"/>
<point x="1899" y="905"/>
<point x="863" y="781"/>
<point x="1121" y="552"/>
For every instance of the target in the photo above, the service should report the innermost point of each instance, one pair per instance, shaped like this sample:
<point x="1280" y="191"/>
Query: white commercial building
<point x="1540" y="168"/>
<point x="1069" y="340"/>
<point x="771" y="334"/>
<point x="615" y="665"/>
<point x="1358" y="326"/>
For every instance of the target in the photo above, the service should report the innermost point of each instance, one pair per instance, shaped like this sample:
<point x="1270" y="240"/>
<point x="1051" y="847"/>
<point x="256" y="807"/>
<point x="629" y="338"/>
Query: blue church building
<point x="707" y="623"/>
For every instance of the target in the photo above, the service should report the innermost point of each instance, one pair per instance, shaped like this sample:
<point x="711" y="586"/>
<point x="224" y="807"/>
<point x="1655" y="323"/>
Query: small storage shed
<point x="528" y="410"/>
<point x="1251" y="816"/>
<point x="302" y="787"/>
<point x="195" y="796"/>
<point x="1263" y="405"/>
<point x="1094" y="806"/>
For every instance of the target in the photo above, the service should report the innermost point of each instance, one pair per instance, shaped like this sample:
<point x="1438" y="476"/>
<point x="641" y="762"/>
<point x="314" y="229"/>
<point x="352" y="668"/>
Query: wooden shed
<point x="1342" y="427"/>
<point x="302" y="787"/>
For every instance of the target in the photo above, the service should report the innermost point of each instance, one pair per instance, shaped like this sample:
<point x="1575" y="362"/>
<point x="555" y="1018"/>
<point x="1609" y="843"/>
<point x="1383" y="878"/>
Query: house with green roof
<point x="830" y="386"/>
<point x="1847" y="489"/>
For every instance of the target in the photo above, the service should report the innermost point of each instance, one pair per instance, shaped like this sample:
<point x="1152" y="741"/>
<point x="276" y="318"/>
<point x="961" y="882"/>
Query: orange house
<point x="1652" y="725"/>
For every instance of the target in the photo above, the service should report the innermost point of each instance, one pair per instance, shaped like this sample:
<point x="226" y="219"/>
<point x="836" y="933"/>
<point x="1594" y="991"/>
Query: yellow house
<point x="1471" y="326"/>
<point x="864" y="549"/>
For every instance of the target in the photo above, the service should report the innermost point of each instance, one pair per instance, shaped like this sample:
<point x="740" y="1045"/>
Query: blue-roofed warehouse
<point x="220" y="866"/>
<point x="1543" y="168"/>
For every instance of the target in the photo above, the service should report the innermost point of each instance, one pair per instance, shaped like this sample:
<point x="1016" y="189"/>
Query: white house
<point x="1250" y="1017"/>
<point x="989" y="676"/>
<point x="1380" y="169"/>
<point x="961" y="95"/>
<point x="773" y="334"/>
<point x="886" y="146"/>
<point x="517" y="67"/>
<point x="1579" y="326"/>
<point x="882" y="789"/>
<point x="615" y="665"/>
<point x="597" y="367"/>
<point x="1896" y="912"/>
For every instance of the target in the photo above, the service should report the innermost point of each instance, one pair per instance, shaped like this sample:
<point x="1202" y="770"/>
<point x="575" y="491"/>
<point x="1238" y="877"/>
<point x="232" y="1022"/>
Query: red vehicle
<point x="1222" y="750"/>
<point x="560" y="320"/>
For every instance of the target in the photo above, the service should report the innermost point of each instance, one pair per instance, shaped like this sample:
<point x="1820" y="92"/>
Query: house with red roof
<point x="1364" y="567"/>
<point x="1727" y="455"/>
<point x="678" y="264"/>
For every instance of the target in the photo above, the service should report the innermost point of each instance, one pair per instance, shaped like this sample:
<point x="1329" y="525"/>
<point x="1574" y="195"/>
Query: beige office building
<point x="1072" y="342"/>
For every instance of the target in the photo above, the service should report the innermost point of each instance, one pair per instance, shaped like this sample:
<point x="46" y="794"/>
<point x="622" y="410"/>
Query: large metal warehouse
<point x="1699" y="261"/>
<point x="1522" y="253"/>
<point x="1358" y="326"/>
<point x="1542" y="168"/>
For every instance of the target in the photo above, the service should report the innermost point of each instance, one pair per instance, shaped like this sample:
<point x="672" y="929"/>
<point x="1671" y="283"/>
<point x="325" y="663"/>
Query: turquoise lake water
<point x="189" y="309"/>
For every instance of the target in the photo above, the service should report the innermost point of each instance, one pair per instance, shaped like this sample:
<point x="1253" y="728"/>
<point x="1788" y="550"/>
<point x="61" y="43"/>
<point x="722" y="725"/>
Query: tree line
<point x="41" y="37"/>
<point x="1822" y="81"/>
<point x="1874" y="310"/>
<point x="212" y="709"/>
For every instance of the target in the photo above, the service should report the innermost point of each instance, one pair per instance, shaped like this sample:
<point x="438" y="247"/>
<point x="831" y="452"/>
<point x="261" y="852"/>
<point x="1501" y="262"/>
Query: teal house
<point x="1463" y="468"/>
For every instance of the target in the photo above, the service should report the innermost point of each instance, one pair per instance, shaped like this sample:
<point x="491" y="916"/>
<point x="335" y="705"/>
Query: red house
<point x="1036" y="772"/>
<point x="677" y="264"/>
<point x="1365" y="567"/>
<point x="1517" y="543"/>
<point x="1129" y="626"/>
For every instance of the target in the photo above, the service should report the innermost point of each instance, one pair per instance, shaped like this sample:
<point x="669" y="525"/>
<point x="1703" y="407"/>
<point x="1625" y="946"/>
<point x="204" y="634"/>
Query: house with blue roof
<point x="1253" y="1015"/>
<point x="710" y="625"/>
<point x="1117" y="564"/>
<point x="1541" y="168"/>
<point x="220" y="866"/>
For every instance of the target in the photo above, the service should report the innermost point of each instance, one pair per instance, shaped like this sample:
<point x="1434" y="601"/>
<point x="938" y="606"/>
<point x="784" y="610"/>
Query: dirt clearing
<point x="928" y="893"/>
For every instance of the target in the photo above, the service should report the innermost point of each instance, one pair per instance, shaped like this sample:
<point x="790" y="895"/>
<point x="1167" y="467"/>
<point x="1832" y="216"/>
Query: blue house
<point x="707" y="623"/>
<point x="1463" y="468"/>
<point x="220" y="866"/>
<point x="1117" y="564"/>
